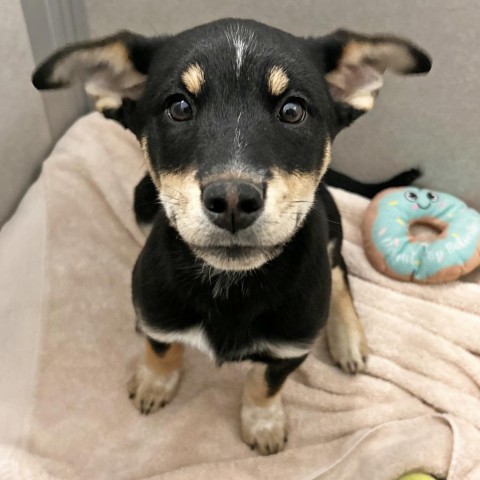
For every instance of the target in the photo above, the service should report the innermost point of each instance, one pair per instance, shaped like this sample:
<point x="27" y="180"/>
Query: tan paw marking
<point x="264" y="428"/>
<point x="348" y="346"/>
<point x="346" y="338"/>
<point x="150" y="391"/>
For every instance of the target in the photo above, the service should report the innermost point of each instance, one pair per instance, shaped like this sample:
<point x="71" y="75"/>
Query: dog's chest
<point x="227" y="348"/>
<point x="230" y="318"/>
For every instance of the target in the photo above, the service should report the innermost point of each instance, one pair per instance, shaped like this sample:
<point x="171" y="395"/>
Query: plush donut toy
<point x="393" y="249"/>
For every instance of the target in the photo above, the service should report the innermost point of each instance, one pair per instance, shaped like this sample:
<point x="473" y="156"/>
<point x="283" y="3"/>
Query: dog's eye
<point x="292" y="111"/>
<point x="410" y="196"/>
<point x="180" y="110"/>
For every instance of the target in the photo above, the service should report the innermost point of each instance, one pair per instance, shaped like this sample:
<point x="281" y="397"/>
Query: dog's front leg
<point x="263" y="421"/>
<point x="157" y="376"/>
<point x="346" y="337"/>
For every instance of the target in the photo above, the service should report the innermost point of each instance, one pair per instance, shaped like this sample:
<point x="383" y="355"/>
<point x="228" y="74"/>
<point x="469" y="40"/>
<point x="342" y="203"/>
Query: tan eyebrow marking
<point x="193" y="78"/>
<point x="277" y="81"/>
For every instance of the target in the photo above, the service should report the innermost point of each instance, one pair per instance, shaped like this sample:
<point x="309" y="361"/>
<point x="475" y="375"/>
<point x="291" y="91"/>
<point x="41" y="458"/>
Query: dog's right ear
<point x="112" y="69"/>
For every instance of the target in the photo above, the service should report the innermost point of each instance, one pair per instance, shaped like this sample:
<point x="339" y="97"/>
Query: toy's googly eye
<point x="433" y="197"/>
<point x="411" y="196"/>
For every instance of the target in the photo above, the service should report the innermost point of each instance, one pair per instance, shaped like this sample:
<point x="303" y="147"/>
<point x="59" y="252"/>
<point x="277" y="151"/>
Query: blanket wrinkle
<point x="417" y="407"/>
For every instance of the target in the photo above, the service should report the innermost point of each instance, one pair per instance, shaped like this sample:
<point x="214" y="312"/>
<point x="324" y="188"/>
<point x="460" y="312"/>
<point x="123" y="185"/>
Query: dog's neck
<point x="220" y="281"/>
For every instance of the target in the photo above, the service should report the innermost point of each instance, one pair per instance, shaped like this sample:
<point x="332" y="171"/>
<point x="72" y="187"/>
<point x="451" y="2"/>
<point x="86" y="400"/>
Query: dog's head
<point x="235" y="119"/>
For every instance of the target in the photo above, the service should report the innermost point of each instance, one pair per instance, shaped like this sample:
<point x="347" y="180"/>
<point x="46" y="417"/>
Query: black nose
<point x="233" y="205"/>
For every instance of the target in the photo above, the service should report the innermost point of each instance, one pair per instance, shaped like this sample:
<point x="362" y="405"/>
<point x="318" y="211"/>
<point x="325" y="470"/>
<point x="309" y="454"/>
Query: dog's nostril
<point x="217" y="205"/>
<point x="249" y="205"/>
<point x="214" y="197"/>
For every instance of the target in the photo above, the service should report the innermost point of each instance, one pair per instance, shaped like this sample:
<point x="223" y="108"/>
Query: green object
<point x="417" y="476"/>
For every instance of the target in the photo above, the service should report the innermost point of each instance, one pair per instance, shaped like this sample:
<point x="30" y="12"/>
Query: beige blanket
<point x="68" y="346"/>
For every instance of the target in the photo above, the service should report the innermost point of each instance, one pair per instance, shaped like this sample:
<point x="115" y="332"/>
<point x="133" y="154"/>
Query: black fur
<point x="145" y="203"/>
<point x="285" y="300"/>
<point x="278" y="371"/>
<point x="158" y="347"/>
<point x="369" y="190"/>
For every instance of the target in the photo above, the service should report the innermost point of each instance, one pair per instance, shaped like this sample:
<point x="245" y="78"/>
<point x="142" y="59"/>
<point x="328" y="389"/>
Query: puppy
<point x="236" y="121"/>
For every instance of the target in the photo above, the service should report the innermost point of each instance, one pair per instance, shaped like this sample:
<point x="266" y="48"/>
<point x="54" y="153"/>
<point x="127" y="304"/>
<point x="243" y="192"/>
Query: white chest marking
<point x="196" y="338"/>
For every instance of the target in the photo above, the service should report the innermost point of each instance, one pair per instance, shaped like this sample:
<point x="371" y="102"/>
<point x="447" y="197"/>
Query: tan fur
<point x="252" y="259"/>
<point x="148" y="160"/>
<point x="381" y="55"/>
<point x="358" y="76"/>
<point x="327" y="157"/>
<point x="167" y="363"/>
<point x="263" y="420"/>
<point x="294" y="192"/>
<point x="112" y="74"/>
<point x="346" y="338"/>
<point x="299" y="186"/>
<point x="108" y="102"/>
<point x="256" y="388"/>
<point x="156" y="379"/>
<point x="180" y="196"/>
<point x="277" y="81"/>
<point x="347" y="85"/>
<point x="179" y="193"/>
<point x="296" y="186"/>
<point x="289" y="198"/>
<point x="193" y="78"/>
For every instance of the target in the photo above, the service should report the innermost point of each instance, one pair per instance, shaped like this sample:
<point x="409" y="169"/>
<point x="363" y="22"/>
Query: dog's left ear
<point x="355" y="64"/>
<point x="113" y="69"/>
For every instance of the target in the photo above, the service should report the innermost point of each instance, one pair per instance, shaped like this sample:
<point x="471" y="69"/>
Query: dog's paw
<point x="264" y="428"/>
<point x="150" y="391"/>
<point x="348" y="347"/>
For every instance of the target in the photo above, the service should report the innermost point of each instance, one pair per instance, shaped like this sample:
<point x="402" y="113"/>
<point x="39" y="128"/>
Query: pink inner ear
<point x="356" y="85"/>
<point x="363" y="77"/>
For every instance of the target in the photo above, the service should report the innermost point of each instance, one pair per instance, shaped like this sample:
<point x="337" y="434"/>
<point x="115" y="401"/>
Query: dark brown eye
<point x="292" y="111"/>
<point x="180" y="110"/>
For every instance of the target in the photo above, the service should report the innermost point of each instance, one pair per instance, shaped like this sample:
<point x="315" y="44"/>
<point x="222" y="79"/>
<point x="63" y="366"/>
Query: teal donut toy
<point x="393" y="248"/>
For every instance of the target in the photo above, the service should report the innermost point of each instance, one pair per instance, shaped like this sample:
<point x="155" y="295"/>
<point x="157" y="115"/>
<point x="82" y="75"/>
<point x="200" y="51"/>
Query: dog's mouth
<point x="234" y="252"/>
<point x="236" y="257"/>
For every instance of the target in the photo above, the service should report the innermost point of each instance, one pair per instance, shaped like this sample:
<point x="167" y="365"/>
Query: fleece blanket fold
<point x="68" y="346"/>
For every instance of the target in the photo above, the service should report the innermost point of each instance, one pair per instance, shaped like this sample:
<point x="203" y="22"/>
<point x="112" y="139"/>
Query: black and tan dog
<point x="236" y="120"/>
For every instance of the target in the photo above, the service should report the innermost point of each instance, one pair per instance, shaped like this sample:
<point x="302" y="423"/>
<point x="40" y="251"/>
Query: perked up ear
<point x="355" y="64"/>
<point x="112" y="69"/>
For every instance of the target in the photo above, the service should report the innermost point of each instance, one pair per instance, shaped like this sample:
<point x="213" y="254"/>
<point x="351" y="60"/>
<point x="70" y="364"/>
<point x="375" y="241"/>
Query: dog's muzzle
<point x="233" y="204"/>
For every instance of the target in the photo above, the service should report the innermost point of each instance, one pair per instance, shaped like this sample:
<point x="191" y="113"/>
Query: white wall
<point x="431" y="121"/>
<point x="24" y="133"/>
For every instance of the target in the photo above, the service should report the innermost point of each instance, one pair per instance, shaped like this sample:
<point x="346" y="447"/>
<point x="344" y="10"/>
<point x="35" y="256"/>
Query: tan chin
<point x="248" y="259"/>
